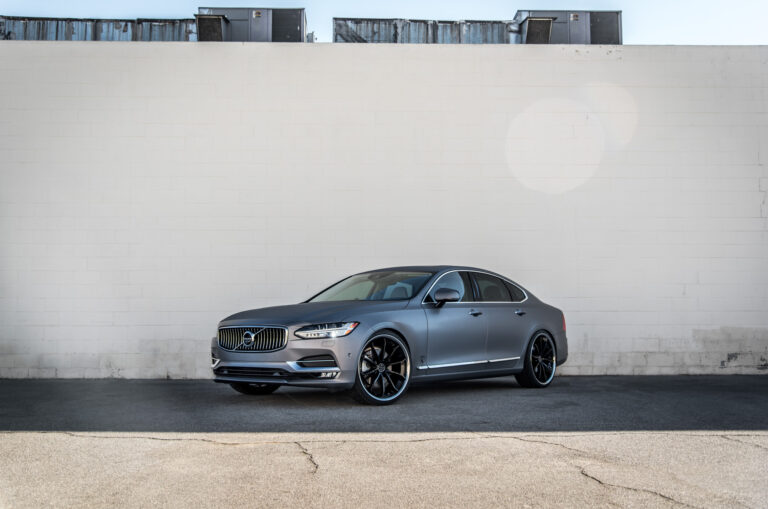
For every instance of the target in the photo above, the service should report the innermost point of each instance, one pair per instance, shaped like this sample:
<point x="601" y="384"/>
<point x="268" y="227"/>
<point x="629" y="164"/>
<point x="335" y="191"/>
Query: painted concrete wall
<point x="148" y="190"/>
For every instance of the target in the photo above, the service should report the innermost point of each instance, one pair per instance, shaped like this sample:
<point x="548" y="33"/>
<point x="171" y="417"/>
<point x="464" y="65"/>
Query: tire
<point x="539" y="369"/>
<point x="254" y="389"/>
<point x="383" y="369"/>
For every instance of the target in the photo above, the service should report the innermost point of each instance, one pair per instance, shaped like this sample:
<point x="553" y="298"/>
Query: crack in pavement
<point x="309" y="456"/>
<point x="530" y="440"/>
<point x="731" y="439"/>
<point x="631" y="488"/>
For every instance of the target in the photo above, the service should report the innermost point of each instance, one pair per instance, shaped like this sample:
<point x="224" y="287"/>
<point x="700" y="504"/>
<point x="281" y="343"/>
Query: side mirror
<point x="443" y="295"/>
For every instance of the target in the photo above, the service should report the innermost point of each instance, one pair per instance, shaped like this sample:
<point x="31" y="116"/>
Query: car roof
<point x="427" y="268"/>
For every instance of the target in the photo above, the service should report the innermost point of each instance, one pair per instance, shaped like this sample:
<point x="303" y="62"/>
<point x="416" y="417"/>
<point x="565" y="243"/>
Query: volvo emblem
<point x="248" y="338"/>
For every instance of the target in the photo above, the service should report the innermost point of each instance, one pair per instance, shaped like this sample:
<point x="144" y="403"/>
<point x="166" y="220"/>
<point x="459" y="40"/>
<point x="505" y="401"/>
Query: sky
<point x="644" y="21"/>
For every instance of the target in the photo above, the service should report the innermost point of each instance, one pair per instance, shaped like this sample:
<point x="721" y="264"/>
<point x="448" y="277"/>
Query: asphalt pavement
<point x="637" y="403"/>
<point x="585" y="441"/>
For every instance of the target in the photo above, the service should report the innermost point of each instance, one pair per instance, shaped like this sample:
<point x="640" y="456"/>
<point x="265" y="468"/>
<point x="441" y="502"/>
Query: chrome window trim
<point x="455" y="364"/>
<point x="423" y="301"/>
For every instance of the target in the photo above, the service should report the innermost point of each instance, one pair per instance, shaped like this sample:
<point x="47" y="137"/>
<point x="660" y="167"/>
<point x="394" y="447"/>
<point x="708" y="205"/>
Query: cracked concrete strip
<point x="446" y="469"/>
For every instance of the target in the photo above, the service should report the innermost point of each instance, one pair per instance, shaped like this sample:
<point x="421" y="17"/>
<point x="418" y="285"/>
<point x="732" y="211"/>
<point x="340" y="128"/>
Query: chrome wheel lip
<point x="554" y="358"/>
<point x="407" y="367"/>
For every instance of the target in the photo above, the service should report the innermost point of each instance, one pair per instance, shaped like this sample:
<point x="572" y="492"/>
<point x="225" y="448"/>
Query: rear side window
<point x="455" y="281"/>
<point x="517" y="294"/>
<point x="492" y="289"/>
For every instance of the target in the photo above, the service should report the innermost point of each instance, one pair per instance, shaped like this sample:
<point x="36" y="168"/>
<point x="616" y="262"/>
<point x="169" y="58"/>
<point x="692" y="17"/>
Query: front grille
<point x="264" y="339"/>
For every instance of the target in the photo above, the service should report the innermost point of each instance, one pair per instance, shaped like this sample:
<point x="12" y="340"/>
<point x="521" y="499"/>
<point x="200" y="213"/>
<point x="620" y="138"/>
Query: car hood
<point x="311" y="313"/>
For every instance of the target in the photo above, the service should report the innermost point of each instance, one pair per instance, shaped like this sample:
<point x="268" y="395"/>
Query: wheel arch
<point x="391" y="330"/>
<point x="408" y="331"/>
<point x="537" y="331"/>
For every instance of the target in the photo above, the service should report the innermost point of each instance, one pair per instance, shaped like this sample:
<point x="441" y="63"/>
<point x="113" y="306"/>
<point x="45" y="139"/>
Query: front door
<point x="456" y="331"/>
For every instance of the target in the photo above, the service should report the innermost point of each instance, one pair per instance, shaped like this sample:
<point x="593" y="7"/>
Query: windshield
<point x="380" y="285"/>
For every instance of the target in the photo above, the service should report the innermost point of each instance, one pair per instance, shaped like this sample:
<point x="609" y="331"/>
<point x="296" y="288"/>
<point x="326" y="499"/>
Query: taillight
<point x="563" y="322"/>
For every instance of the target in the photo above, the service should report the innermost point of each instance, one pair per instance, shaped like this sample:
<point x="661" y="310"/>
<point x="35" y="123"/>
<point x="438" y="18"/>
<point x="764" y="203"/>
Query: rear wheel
<point x="254" y="389"/>
<point x="540" y="362"/>
<point x="383" y="370"/>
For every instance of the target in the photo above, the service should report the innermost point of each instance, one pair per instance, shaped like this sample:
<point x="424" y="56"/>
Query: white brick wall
<point x="148" y="190"/>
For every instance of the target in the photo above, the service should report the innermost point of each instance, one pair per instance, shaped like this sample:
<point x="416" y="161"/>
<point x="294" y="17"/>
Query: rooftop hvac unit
<point x="252" y="24"/>
<point x="569" y="27"/>
<point x="539" y="31"/>
<point x="212" y="28"/>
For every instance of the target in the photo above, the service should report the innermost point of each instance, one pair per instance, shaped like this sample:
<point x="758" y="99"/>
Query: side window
<point x="492" y="289"/>
<point x="454" y="281"/>
<point x="517" y="293"/>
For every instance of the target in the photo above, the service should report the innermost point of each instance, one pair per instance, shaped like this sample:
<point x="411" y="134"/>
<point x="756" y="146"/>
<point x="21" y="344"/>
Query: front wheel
<point x="254" y="389"/>
<point x="540" y="362"/>
<point x="383" y="370"/>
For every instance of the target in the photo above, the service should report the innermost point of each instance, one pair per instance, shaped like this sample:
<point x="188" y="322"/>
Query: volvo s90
<point x="378" y="332"/>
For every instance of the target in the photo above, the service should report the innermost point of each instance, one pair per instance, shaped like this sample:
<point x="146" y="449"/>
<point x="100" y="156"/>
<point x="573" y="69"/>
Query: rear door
<point x="456" y="331"/>
<point x="507" y="320"/>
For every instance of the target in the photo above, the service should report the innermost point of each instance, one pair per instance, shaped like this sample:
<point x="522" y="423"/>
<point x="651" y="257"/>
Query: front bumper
<point x="283" y="366"/>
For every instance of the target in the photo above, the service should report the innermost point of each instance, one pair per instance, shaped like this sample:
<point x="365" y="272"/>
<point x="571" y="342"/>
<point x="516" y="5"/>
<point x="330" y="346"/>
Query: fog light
<point x="328" y="374"/>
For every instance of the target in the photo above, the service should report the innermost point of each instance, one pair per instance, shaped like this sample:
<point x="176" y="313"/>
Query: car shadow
<point x="572" y="404"/>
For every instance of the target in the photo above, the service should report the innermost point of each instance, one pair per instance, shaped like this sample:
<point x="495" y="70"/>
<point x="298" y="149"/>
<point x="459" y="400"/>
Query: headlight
<point x="326" y="330"/>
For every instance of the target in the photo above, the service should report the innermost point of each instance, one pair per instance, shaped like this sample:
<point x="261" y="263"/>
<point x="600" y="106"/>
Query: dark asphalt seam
<point x="309" y="456"/>
<point x="641" y="490"/>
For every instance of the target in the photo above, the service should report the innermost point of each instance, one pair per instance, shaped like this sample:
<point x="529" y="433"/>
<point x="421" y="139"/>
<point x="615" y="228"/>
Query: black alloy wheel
<point x="540" y="362"/>
<point x="383" y="369"/>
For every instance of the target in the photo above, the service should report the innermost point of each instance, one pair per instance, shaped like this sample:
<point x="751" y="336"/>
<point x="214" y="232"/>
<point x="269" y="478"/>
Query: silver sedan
<point x="378" y="332"/>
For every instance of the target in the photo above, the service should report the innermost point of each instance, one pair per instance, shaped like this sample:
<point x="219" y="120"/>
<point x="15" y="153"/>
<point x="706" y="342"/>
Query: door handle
<point x="474" y="312"/>
<point x="519" y="312"/>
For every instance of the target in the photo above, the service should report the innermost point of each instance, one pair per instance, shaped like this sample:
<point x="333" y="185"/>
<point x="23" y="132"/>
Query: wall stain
<point x="747" y="347"/>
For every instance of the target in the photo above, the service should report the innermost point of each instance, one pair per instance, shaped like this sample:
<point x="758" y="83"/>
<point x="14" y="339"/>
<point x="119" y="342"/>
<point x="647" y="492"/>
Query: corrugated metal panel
<point x="448" y="32"/>
<point x="166" y="30"/>
<point x="485" y="32"/>
<point x="115" y="30"/>
<point x="416" y="31"/>
<point x="55" y="29"/>
<point x="422" y="31"/>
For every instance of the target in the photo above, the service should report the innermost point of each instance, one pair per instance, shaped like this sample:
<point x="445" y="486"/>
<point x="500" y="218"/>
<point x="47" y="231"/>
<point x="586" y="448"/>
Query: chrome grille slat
<point x="266" y="339"/>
